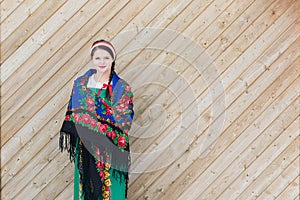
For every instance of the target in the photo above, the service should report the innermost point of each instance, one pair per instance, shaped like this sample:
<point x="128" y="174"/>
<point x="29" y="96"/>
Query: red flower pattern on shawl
<point x="111" y="134"/>
<point x="121" y="141"/>
<point x="103" y="127"/>
<point x="77" y="117"/>
<point x="89" y="101"/>
<point x="109" y="111"/>
<point x="123" y="104"/>
<point x="86" y="118"/>
<point x="93" y="123"/>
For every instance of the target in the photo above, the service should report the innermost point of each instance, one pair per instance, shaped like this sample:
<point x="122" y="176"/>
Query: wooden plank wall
<point x="216" y="86"/>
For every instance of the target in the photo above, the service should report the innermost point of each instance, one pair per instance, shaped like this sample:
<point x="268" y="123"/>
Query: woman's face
<point x="102" y="61"/>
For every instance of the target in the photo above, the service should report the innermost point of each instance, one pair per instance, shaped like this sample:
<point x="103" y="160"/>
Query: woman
<point x="95" y="129"/>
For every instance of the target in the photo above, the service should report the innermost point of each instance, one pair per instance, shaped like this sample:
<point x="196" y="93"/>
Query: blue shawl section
<point x="87" y="109"/>
<point x="118" y="91"/>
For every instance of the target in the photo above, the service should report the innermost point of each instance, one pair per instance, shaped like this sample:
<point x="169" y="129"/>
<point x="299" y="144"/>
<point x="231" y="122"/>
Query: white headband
<point x="106" y="44"/>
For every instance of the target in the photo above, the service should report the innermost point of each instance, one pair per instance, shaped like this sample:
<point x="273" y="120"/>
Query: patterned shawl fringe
<point x="67" y="139"/>
<point x="65" y="144"/>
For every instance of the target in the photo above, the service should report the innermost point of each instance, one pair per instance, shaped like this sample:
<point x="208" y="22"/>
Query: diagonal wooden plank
<point x="283" y="180"/>
<point x="7" y="7"/>
<point x="259" y="185"/>
<point x="20" y="14"/>
<point x="67" y="193"/>
<point x="25" y="156"/>
<point x="223" y="6"/>
<point x="234" y="149"/>
<point x="292" y="190"/>
<point x="191" y="155"/>
<point x="22" y="179"/>
<point x="237" y="107"/>
<point x="28" y="27"/>
<point x="39" y="38"/>
<point x="253" y="161"/>
<point x="54" y="186"/>
<point x="241" y="166"/>
<point x="176" y="64"/>
<point x="143" y="179"/>
<point x="41" y="180"/>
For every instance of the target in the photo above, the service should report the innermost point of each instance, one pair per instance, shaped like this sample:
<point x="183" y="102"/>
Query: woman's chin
<point x="100" y="69"/>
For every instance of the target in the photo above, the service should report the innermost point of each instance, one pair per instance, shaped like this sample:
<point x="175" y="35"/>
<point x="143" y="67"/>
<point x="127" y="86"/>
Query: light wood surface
<point x="216" y="94"/>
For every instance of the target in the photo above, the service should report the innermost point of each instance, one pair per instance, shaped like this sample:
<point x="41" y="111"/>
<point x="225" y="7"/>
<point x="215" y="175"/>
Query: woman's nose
<point x="101" y="61"/>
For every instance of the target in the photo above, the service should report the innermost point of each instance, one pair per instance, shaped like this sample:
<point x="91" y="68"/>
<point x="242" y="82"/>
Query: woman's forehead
<point x="101" y="52"/>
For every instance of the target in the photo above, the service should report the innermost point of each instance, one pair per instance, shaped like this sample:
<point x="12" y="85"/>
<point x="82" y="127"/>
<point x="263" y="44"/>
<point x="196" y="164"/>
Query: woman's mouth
<point x="102" y="66"/>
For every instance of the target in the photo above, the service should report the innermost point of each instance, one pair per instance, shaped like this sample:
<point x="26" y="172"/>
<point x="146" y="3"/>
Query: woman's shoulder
<point x="85" y="76"/>
<point x="120" y="80"/>
<point x="121" y="88"/>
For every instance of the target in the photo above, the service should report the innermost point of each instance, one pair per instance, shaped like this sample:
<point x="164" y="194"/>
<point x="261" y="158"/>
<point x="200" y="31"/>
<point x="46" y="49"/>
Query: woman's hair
<point x="105" y="45"/>
<point x="112" y="71"/>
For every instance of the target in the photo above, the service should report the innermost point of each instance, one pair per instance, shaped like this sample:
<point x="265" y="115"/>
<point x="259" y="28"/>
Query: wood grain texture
<point x="216" y="86"/>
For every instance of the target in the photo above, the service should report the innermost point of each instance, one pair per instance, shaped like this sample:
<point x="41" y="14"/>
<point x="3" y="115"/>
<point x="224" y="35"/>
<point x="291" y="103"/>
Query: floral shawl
<point x="95" y="126"/>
